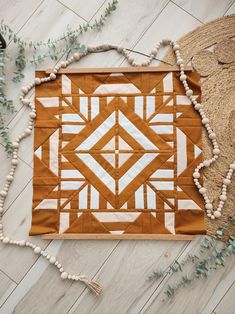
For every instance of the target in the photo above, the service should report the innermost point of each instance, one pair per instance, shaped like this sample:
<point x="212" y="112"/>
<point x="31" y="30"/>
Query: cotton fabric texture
<point x="114" y="153"/>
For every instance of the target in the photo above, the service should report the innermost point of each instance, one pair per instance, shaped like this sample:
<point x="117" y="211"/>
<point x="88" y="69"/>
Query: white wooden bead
<point x="223" y="197"/>
<point x="196" y="175"/>
<point x="3" y="193"/>
<point x="189" y="93"/>
<point x="24" y="90"/>
<point x="208" y="206"/>
<point x="197" y="106"/>
<point x="206" y="163"/>
<point x="14" y="162"/>
<point x="202" y="190"/>
<point x="6" y="240"/>
<point x="154" y="51"/>
<point x="176" y="47"/>
<point x="205" y="121"/>
<point x="76" y="56"/>
<point x="28" y="131"/>
<point x="64" y="275"/>
<point x="232" y="166"/>
<point x="25" y="101"/>
<point x="52" y="76"/>
<point x="37" y="250"/>
<point x="212" y="217"/>
<point x="37" y="81"/>
<point x="15" y="145"/>
<point x="226" y="181"/>
<point x="71" y="60"/>
<point x="63" y="64"/>
<point x="212" y="136"/>
<point x="180" y="61"/>
<point x="52" y="260"/>
<point x="216" y="151"/>
<point x="183" y="77"/>
<point x="9" y="178"/>
<point x="32" y="115"/>
<point x="217" y="214"/>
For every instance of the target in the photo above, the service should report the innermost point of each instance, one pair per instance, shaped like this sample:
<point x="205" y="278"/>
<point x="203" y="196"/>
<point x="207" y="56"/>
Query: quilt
<point x="114" y="153"/>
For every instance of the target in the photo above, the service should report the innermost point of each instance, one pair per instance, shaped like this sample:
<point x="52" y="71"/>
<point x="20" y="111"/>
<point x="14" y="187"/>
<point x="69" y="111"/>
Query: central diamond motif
<point x="117" y="152"/>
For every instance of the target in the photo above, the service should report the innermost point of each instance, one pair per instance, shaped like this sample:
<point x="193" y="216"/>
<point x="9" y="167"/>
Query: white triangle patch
<point x="123" y="145"/>
<point x="122" y="158"/>
<point x="109" y="158"/>
<point x="110" y="145"/>
<point x="197" y="151"/>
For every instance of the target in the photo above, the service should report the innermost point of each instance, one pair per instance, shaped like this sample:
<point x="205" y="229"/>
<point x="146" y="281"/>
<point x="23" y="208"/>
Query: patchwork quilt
<point x="114" y="153"/>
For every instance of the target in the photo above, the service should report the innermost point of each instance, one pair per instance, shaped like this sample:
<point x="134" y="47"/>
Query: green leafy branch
<point x="5" y="105"/>
<point x="212" y="255"/>
<point x="55" y="48"/>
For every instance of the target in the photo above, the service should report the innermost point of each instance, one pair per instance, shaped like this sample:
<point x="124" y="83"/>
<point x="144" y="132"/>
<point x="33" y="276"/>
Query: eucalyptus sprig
<point x="57" y="47"/>
<point x="212" y="255"/>
<point x="5" y="105"/>
<point x="53" y="48"/>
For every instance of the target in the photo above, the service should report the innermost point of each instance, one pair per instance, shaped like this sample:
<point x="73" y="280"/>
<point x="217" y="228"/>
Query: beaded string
<point x="211" y="213"/>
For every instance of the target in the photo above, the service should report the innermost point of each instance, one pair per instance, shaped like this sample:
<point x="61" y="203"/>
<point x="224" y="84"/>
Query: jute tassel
<point x="92" y="285"/>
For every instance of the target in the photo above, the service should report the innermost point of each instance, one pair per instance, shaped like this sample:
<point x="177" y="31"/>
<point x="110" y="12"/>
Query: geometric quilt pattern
<point x="114" y="153"/>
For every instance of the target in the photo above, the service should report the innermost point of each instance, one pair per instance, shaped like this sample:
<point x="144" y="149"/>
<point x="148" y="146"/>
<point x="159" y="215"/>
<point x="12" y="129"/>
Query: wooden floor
<point x="27" y="283"/>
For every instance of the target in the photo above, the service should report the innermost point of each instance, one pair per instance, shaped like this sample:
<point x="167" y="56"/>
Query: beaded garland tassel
<point x="211" y="213"/>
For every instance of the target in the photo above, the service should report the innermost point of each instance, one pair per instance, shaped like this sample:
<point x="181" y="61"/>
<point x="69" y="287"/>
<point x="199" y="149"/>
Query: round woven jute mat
<point x="217" y="69"/>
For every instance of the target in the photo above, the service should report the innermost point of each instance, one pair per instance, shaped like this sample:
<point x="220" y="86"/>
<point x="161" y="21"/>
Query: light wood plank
<point x="124" y="277"/>
<point x="167" y="25"/>
<point x="227" y="304"/>
<point x="194" y="298"/>
<point x="16" y="127"/>
<point x="85" y="11"/>
<point x="205" y="10"/>
<point x="6" y="287"/>
<point x="15" y="13"/>
<point x="16" y="261"/>
<point x="220" y="290"/>
<point x="231" y="10"/>
<point x="42" y="290"/>
<point x="23" y="176"/>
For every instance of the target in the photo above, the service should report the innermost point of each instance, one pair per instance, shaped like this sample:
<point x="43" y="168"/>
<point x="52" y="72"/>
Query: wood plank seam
<point x="166" y="277"/>
<point x="219" y="301"/>
<point x="96" y="273"/>
<point x="70" y="9"/>
<point x="17" y="196"/>
<point x="187" y="12"/>
<point x="24" y="276"/>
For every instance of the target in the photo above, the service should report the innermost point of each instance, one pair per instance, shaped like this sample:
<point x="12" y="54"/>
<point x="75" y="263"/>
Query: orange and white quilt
<point x="114" y="153"/>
